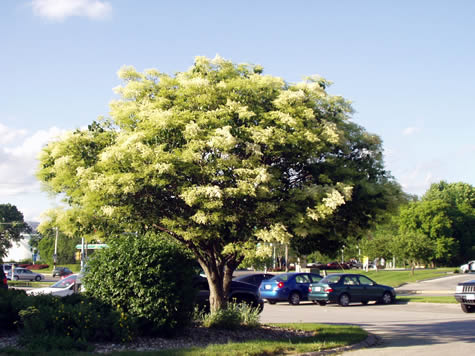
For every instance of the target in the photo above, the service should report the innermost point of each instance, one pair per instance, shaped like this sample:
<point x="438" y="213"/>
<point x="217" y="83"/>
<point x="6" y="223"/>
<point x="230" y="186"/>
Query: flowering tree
<point x="219" y="157"/>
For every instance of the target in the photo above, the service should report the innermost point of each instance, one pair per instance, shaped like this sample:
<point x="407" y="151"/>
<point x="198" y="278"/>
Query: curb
<point x="371" y="340"/>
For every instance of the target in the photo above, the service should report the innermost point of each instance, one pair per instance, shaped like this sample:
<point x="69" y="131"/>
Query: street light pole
<point x="55" y="256"/>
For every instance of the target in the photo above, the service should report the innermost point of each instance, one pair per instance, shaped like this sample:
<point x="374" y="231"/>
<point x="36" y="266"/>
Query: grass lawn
<point x="397" y="278"/>
<point x="325" y="337"/>
<point x="420" y="299"/>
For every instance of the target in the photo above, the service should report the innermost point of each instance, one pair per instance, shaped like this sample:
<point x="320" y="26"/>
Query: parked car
<point x="24" y="274"/>
<point x="6" y="268"/>
<point x="468" y="267"/>
<point x="61" y="288"/>
<point x="465" y="295"/>
<point x="338" y="265"/>
<point x="349" y="288"/>
<point x="3" y="279"/>
<point x="291" y="287"/>
<point x="254" y="278"/>
<point x="240" y="292"/>
<point x="61" y="271"/>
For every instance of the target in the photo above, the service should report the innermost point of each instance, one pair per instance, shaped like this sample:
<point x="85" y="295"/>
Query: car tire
<point x="16" y="278"/>
<point x="322" y="303"/>
<point x="271" y="301"/>
<point x="294" y="298"/>
<point x="344" y="300"/>
<point x="467" y="308"/>
<point x="387" y="298"/>
<point x="37" y="278"/>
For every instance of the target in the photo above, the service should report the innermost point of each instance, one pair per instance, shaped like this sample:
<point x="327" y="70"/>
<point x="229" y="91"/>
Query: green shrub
<point x="146" y="277"/>
<point x="52" y="323"/>
<point x="232" y="317"/>
<point x="11" y="302"/>
<point x="46" y="322"/>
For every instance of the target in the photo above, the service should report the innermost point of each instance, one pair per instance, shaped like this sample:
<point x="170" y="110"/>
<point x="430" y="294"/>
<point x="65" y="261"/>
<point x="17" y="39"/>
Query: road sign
<point x="92" y="246"/>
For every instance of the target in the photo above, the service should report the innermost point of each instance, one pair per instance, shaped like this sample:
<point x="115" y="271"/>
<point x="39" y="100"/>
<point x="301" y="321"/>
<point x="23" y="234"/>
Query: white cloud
<point x="410" y="131"/>
<point x="18" y="161"/>
<point x="61" y="9"/>
<point x="8" y="135"/>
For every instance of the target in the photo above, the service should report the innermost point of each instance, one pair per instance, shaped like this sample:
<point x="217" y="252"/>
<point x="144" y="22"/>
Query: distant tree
<point x="460" y="209"/>
<point x="431" y="219"/>
<point x="221" y="157"/>
<point x="66" y="248"/>
<point x="11" y="226"/>
<point x="414" y="247"/>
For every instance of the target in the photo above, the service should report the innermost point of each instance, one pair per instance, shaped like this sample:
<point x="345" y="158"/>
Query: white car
<point x="61" y="288"/>
<point x="468" y="267"/>
<point x="24" y="274"/>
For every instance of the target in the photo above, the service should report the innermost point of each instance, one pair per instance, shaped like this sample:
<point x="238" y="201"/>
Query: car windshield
<point x="331" y="279"/>
<point x="64" y="283"/>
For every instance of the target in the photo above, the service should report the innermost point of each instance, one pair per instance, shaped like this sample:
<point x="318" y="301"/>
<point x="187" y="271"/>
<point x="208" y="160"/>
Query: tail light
<point x="328" y="289"/>
<point x="5" y="281"/>
<point x="309" y="289"/>
<point x="280" y="284"/>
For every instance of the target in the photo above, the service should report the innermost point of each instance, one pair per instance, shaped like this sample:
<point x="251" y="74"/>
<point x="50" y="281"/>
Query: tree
<point x="220" y="157"/>
<point x="414" y="247"/>
<point x="66" y="248"/>
<point x="11" y="226"/>
<point x="460" y="200"/>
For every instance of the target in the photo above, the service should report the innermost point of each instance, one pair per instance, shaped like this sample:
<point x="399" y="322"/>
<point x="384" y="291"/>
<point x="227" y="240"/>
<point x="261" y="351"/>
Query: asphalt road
<point x="404" y="329"/>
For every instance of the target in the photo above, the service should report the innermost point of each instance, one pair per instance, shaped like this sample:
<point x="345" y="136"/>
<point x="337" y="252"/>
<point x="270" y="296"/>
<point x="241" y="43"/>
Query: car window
<point x="350" y="281"/>
<point x="302" y="278"/>
<point x="366" y="281"/>
<point x="331" y="279"/>
<point x="281" y="277"/>
<point x="315" y="278"/>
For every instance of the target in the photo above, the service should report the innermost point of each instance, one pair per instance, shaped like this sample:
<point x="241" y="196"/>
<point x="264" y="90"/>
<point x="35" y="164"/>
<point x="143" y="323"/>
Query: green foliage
<point x="446" y="216"/>
<point x="46" y="322"/>
<point x="221" y="157"/>
<point x="147" y="277"/>
<point x="233" y="316"/>
<point x="66" y="247"/>
<point x="11" y="225"/>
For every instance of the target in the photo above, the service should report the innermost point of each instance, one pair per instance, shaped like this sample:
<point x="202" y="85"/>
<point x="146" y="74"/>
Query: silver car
<point x="24" y="274"/>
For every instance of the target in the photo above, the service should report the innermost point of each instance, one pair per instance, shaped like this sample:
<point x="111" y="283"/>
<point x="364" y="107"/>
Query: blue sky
<point x="407" y="66"/>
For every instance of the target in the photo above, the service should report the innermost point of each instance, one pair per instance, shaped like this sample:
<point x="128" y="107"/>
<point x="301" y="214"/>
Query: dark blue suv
<point x="291" y="287"/>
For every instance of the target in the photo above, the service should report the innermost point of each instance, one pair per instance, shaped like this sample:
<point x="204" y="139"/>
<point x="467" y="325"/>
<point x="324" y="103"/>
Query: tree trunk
<point x="219" y="278"/>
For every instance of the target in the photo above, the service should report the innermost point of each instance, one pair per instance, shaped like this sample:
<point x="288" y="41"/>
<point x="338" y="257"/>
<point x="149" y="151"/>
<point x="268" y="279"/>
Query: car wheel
<point x="387" y="298"/>
<point x="37" y="278"/>
<point x="364" y="302"/>
<point x="16" y="278"/>
<point x="467" y="308"/>
<point x="294" y="298"/>
<point x="271" y="301"/>
<point x="322" y="303"/>
<point x="344" y="300"/>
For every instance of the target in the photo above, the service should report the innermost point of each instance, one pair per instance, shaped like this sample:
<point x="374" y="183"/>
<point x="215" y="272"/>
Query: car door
<point x="352" y="286"/>
<point x="371" y="290"/>
<point x="302" y="281"/>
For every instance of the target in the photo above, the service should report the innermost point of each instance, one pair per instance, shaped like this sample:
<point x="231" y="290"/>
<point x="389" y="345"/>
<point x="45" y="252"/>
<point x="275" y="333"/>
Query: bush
<point x="49" y="323"/>
<point x="148" y="278"/>
<point x="71" y="322"/>
<point x="232" y="317"/>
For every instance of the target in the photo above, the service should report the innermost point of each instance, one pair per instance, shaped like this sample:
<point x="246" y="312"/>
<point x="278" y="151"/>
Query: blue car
<point x="291" y="287"/>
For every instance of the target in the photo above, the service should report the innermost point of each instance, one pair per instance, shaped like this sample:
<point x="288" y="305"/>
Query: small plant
<point x="233" y="316"/>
